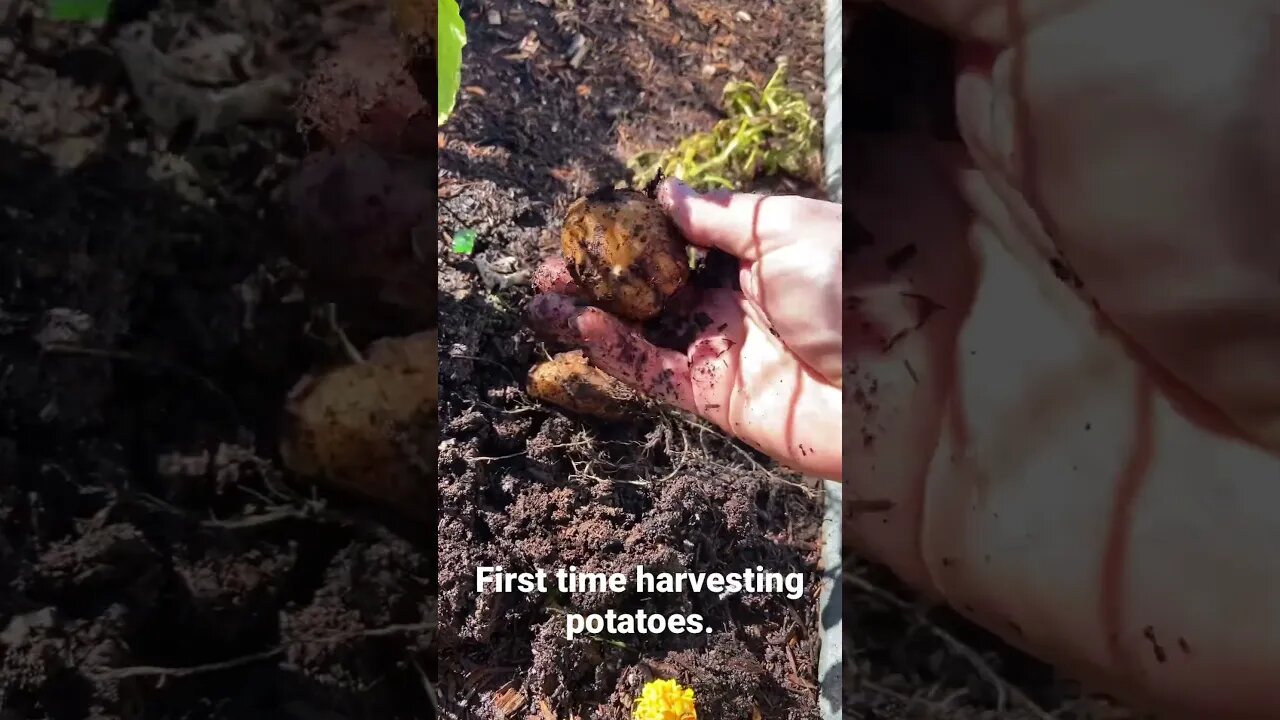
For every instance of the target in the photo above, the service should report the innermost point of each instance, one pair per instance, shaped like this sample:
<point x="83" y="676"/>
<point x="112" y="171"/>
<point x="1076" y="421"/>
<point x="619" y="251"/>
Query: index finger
<point x="744" y="225"/>
<point x="995" y="22"/>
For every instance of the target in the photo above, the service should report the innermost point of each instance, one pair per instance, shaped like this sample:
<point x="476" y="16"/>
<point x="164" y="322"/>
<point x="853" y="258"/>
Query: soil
<point x="156" y="562"/>
<point x="556" y="96"/>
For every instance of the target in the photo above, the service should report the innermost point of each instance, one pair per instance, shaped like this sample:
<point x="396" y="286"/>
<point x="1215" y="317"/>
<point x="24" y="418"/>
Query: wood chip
<point x="508" y="702"/>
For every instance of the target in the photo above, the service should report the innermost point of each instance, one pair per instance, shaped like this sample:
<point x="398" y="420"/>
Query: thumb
<point x="745" y="225"/>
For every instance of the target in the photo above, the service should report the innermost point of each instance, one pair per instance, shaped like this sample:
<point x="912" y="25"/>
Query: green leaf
<point x="453" y="35"/>
<point x="464" y="241"/>
<point x="79" y="10"/>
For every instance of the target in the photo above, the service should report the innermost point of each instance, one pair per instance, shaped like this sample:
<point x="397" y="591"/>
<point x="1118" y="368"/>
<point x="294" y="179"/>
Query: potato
<point x="417" y="24"/>
<point x="370" y="428"/>
<point x="571" y="382"/>
<point x="416" y="21"/>
<point x="624" y="252"/>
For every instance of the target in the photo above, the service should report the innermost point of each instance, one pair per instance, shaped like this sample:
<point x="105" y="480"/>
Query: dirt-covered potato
<point x="570" y="381"/>
<point x="624" y="252"/>
<point x="371" y="427"/>
<point x="417" y="24"/>
<point x="416" y="21"/>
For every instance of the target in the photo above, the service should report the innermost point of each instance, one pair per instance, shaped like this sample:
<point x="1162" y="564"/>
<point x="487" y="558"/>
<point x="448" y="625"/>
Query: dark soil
<point x="526" y="486"/>
<point x="155" y="560"/>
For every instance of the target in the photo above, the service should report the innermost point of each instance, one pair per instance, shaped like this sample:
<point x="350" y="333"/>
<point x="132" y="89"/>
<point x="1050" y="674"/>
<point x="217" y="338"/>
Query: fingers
<point x="1103" y="161"/>
<point x="702" y="381"/>
<point x="797" y="287"/>
<point x="745" y="225"/>
<point x="552" y="276"/>
<point x="621" y="351"/>
<point x="989" y="109"/>
<point x="998" y="22"/>
<point x="734" y="375"/>
<point x="616" y="348"/>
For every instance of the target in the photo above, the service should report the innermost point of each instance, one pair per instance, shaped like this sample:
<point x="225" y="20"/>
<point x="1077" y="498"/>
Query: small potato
<point x="370" y="428"/>
<point x="571" y="382"/>
<point x="417" y="23"/>
<point x="624" y="252"/>
<point x="415" y="20"/>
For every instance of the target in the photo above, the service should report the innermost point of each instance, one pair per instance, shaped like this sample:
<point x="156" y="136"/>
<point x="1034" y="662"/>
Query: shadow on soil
<point x="155" y="562"/>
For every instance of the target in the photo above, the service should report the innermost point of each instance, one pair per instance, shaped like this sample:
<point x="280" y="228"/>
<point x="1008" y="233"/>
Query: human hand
<point x="765" y="364"/>
<point x="1148" y="171"/>
<point x="1082" y="456"/>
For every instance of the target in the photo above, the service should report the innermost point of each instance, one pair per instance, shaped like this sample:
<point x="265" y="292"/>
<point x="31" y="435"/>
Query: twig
<point x="487" y="361"/>
<point x="432" y="696"/>
<point x="682" y="458"/>
<point x="178" y="672"/>
<point x="123" y="355"/>
<point x="384" y="631"/>
<point x="331" y="311"/>
<point x="123" y="673"/>
<point x="248" y="521"/>
<point x="498" y="457"/>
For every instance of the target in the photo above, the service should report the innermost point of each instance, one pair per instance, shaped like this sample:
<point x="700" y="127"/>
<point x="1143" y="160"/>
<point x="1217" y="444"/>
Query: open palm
<point x="765" y="362"/>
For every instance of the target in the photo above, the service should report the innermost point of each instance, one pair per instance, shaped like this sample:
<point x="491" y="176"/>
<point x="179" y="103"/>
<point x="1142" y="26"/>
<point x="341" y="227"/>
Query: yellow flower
<point x="665" y="700"/>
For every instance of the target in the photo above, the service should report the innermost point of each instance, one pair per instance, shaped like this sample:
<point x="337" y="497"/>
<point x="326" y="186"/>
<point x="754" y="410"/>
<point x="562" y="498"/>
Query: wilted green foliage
<point x="766" y="131"/>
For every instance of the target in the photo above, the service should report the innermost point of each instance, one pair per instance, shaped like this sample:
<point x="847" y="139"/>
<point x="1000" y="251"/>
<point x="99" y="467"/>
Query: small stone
<point x="577" y="50"/>
<point x="64" y="326"/>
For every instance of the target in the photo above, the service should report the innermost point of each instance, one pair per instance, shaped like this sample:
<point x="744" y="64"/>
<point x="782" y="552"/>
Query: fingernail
<point x="672" y="191"/>
<point x="592" y="325"/>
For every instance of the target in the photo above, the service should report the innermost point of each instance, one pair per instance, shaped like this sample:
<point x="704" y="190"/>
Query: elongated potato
<point x="570" y="381"/>
<point x="371" y="427"/>
<point x="624" y="252"/>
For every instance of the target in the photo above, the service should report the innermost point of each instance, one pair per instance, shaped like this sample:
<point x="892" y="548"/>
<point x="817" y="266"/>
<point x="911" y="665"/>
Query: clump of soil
<point x="555" y="96"/>
<point x="156" y="562"/>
